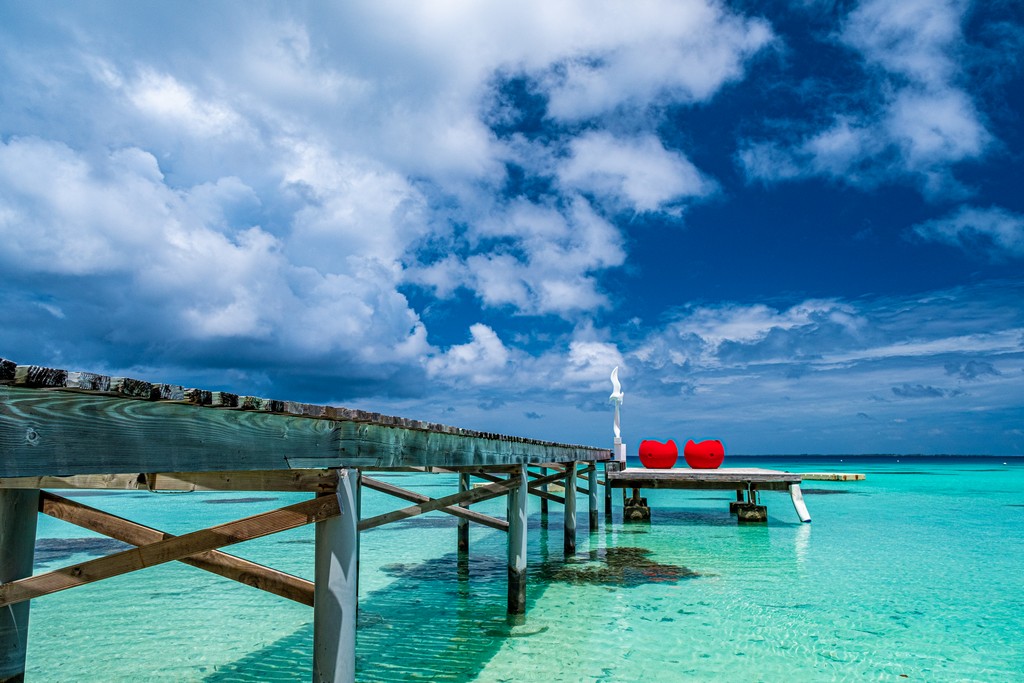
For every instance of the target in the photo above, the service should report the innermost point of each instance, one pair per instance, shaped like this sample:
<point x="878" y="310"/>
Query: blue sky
<point x="797" y="227"/>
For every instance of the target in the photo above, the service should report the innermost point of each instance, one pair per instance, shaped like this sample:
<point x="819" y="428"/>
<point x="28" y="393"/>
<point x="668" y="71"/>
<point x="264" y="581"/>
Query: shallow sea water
<point x="916" y="573"/>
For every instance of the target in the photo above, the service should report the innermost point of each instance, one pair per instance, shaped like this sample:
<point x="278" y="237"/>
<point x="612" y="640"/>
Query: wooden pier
<point x="79" y="430"/>
<point x="746" y="481"/>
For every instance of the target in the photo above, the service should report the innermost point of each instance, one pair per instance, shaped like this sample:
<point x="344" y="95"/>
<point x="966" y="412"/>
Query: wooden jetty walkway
<point x="746" y="481"/>
<point x="79" y="430"/>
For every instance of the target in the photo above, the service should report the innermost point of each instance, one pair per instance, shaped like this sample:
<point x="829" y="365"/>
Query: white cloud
<point x="638" y="172"/>
<point x="545" y="259"/>
<point x="914" y="118"/>
<point x="484" y="360"/>
<point x="935" y="128"/>
<point x="188" y="276"/>
<point x="683" y="51"/>
<point x="355" y="209"/>
<point x="173" y="104"/>
<point x="752" y="324"/>
<point x="993" y="230"/>
<point x="911" y="38"/>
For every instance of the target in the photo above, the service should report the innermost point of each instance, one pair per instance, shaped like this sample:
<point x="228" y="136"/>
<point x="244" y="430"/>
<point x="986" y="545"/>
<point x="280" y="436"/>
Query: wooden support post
<point x="517" y="511"/>
<point x="18" y="512"/>
<point x="543" y="500"/>
<point x="463" y="523"/>
<point x="570" y="509"/>
<point x="751" y="512"/>
<point x="336" y="591"/>
<point x="592" y="496"/>
<point x="798" y="503"/>
<point x="608" y="466"/>
<point x="738" y="502"/>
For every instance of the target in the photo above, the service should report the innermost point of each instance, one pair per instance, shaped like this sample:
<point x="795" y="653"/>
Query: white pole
<point x="517" y="511"/>
<point x="336" y="589"/>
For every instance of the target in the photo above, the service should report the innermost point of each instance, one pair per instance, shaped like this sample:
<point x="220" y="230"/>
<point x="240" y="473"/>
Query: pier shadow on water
<point x="444" y="619"/>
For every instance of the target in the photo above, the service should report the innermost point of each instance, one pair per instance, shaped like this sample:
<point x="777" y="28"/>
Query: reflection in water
<point x="445" y="618"/>
<point x="54" y="549"/>
<point x="801" y="543"/>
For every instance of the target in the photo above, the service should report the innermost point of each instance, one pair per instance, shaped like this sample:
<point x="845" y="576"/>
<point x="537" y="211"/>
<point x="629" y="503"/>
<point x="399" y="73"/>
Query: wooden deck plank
<point x="831" y="476"/>
<point x="314" y="481"/>
<point x="724" y="479"/>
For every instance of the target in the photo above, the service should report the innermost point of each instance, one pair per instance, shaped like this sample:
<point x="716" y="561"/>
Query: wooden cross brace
<point x="168" y="548"/>
<point x="199" y="548"/>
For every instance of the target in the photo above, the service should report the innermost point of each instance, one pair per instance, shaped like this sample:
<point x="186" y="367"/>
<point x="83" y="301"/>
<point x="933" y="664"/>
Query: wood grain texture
<point x="63" y="433"/>
<point x="57" y="423"/>
<point x="313" y="481"/>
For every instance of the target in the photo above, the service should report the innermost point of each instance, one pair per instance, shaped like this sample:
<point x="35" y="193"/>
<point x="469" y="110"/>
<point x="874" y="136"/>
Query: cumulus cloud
<point x="190" y="278"/>
<point x="993" y="231"/>
<point x="484" y="360"/>
<point x="532" y="258"/>
<point x="910" y="116"/>
<point x="680" y="51"/>
<point x="170" y="102"/>
<point x="639" y="173"/>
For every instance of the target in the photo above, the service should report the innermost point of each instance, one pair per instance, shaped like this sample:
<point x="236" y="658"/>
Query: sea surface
<point x="916" y="573"/>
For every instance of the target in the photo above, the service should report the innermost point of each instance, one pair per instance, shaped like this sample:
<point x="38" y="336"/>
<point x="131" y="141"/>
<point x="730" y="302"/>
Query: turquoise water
<point x="916" y="573"/>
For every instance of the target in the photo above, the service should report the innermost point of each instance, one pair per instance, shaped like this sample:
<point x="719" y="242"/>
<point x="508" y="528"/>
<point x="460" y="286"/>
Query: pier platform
<point x="746" y="481"/>
<point x="64" y="429"/>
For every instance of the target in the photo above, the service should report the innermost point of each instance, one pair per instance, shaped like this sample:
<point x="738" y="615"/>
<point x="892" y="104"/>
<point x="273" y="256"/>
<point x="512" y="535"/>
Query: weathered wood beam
<point x="169" y="550"/>
<point x="451" y="469"/>
<point x="231" y="567"/>
<point x="569" y="520"/>
<point x="592" y="496"/>
<point x="412" y="496"/>
<point x="536" y="487"/>
<point x="474" y="496"/>
<point x="315" y="481"/>
<point x="463" y="537"/>
<point x="543" y="488"/>
<point x="48" y="431"/>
